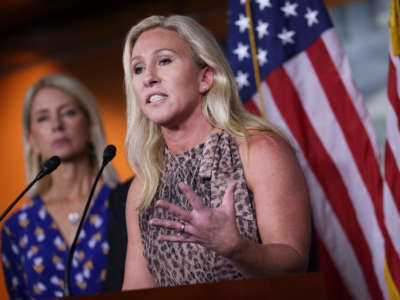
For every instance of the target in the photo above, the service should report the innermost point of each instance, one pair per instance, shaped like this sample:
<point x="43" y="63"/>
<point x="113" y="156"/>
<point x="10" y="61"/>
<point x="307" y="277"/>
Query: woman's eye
<point x="41" y="118"/>
<point x="165" y="61"/>
<point x="69" y="112"/>
<point x="137" y="70"/>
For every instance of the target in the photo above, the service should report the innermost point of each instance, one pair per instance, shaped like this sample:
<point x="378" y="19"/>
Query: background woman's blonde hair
<point x="85" y="100"/>
<point x="221" y="106"/>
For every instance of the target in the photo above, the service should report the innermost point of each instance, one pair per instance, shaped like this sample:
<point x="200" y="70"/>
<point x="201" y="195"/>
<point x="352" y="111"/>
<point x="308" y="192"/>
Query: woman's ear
<point x="206" y="79"/>
<point x="32" y="142"/>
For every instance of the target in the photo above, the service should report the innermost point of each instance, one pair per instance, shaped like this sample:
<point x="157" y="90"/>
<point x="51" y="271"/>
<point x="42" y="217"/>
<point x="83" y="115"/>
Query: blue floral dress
<point x="34" y="252"/>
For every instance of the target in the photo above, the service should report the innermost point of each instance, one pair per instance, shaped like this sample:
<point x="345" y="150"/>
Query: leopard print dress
<point x="207" y="168"/>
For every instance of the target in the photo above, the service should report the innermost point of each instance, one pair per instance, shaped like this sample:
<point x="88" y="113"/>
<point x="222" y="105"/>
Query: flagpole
<point x="394" y="27"/>
<point x="254" y="57"/>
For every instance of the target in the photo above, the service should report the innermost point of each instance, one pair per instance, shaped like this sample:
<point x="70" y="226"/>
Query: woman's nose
<point x="151" y="76"/>
<point x="56" y="123"/>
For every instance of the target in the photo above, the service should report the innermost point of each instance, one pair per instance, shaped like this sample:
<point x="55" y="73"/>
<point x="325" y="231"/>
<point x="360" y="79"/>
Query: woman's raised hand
<point x="213" y="228"/>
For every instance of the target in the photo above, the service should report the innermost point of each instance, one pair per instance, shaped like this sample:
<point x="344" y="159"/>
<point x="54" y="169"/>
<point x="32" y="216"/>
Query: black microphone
<point x="49" y="166"/>
<point x="108" y="155"/>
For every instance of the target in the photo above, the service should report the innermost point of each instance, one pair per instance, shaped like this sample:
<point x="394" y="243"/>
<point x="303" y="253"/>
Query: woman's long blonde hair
<point x="221" y="106"/>
<point x="85" y="100"/>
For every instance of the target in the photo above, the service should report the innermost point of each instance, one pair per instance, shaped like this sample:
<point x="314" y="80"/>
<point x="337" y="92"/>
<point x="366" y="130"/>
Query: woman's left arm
<point x="282" y="206"/>
<point x="282" y="210"/>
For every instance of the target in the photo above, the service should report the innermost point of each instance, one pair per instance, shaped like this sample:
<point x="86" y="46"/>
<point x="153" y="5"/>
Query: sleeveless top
<point x="207" y="168"/>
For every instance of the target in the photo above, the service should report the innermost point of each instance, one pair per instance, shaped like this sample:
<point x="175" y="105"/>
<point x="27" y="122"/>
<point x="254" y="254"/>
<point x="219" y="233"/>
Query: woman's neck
<point x="186" y="136"/>
<point x="71" y="181"/>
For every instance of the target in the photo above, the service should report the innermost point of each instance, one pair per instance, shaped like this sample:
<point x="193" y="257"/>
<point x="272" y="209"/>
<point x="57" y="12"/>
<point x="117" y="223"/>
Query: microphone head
<point x="51" y="164"/>
<point x="108" y="154"/>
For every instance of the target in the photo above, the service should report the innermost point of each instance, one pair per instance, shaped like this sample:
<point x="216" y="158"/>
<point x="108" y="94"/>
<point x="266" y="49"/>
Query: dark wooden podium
<point x="308" y="286"/>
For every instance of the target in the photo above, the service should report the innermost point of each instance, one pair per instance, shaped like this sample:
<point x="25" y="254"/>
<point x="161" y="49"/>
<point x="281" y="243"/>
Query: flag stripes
<point x="337" y="174"/>
<point x="392" y="175"/>
<point x="340" y="60"/>
<point x="391" y="192"/>
<point x="329" y="230"/>
<point x="309" y="93"/>
<point x="321" y="161"/>
<point x="329" y="269"/>
<point x="328" y="226"/>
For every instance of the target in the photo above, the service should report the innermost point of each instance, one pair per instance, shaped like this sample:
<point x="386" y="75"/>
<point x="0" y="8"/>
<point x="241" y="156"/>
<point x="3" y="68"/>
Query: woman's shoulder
<point x="266" y="153"/>
<point x="264" y="143"/>
<point x="104" y="191"/>
<point x="268" y="157"/>
<point x="22" y="215"/>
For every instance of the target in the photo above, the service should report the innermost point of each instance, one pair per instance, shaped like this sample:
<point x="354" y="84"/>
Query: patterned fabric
<point x="207" y="168"/>
<point x="34" y="252"/>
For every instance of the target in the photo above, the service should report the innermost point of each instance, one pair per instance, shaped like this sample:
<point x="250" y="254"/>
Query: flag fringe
<point x="391" y="286"/>
<point x="394" y="25"/>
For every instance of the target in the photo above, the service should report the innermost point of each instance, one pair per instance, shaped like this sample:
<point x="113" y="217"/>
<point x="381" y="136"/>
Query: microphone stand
<point x="18" y="198"/>
<point x="48" y="167"/>
<point x="67" y="286"/>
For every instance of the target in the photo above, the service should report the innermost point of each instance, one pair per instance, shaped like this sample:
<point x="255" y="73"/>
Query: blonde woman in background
<point x="60" y="117"/>
<point x="219" y="194"/>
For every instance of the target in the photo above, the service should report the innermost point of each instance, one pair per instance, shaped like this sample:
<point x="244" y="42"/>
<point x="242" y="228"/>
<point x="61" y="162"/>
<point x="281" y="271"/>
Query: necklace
<point x="73" y="217"/>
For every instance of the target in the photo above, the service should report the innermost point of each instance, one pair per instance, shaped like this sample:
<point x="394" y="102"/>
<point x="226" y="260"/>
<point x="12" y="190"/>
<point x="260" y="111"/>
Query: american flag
<point x="391" y="197"/>
<point x="307" y="90"/>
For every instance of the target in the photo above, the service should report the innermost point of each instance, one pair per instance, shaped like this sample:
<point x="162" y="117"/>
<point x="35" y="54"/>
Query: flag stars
<point x="242" y="79"/>
<point x="286" y="36"/>
<point x="262" y="57"/>
<point x="242" y="23"/>
<point x="289" y="9"/>
<point x="311" y="17"/>
<point x="262" y="29"/>
<point x="242" y="51"/>
<point x="264" y="3"/>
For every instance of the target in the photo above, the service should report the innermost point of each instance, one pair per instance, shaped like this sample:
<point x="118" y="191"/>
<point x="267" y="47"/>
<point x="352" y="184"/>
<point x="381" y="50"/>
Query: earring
<point x="203" y="88"/>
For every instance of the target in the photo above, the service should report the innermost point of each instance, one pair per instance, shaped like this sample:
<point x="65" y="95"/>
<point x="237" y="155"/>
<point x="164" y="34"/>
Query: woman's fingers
<point x="204" y="225"/>
<point x="184" y="238"/>
<point x="191" y="196"/>
<point x="183" y="230"/>
<point x="228" y="202"/>
<point x="177" y="211"/>
<point x="178" y="226"/>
